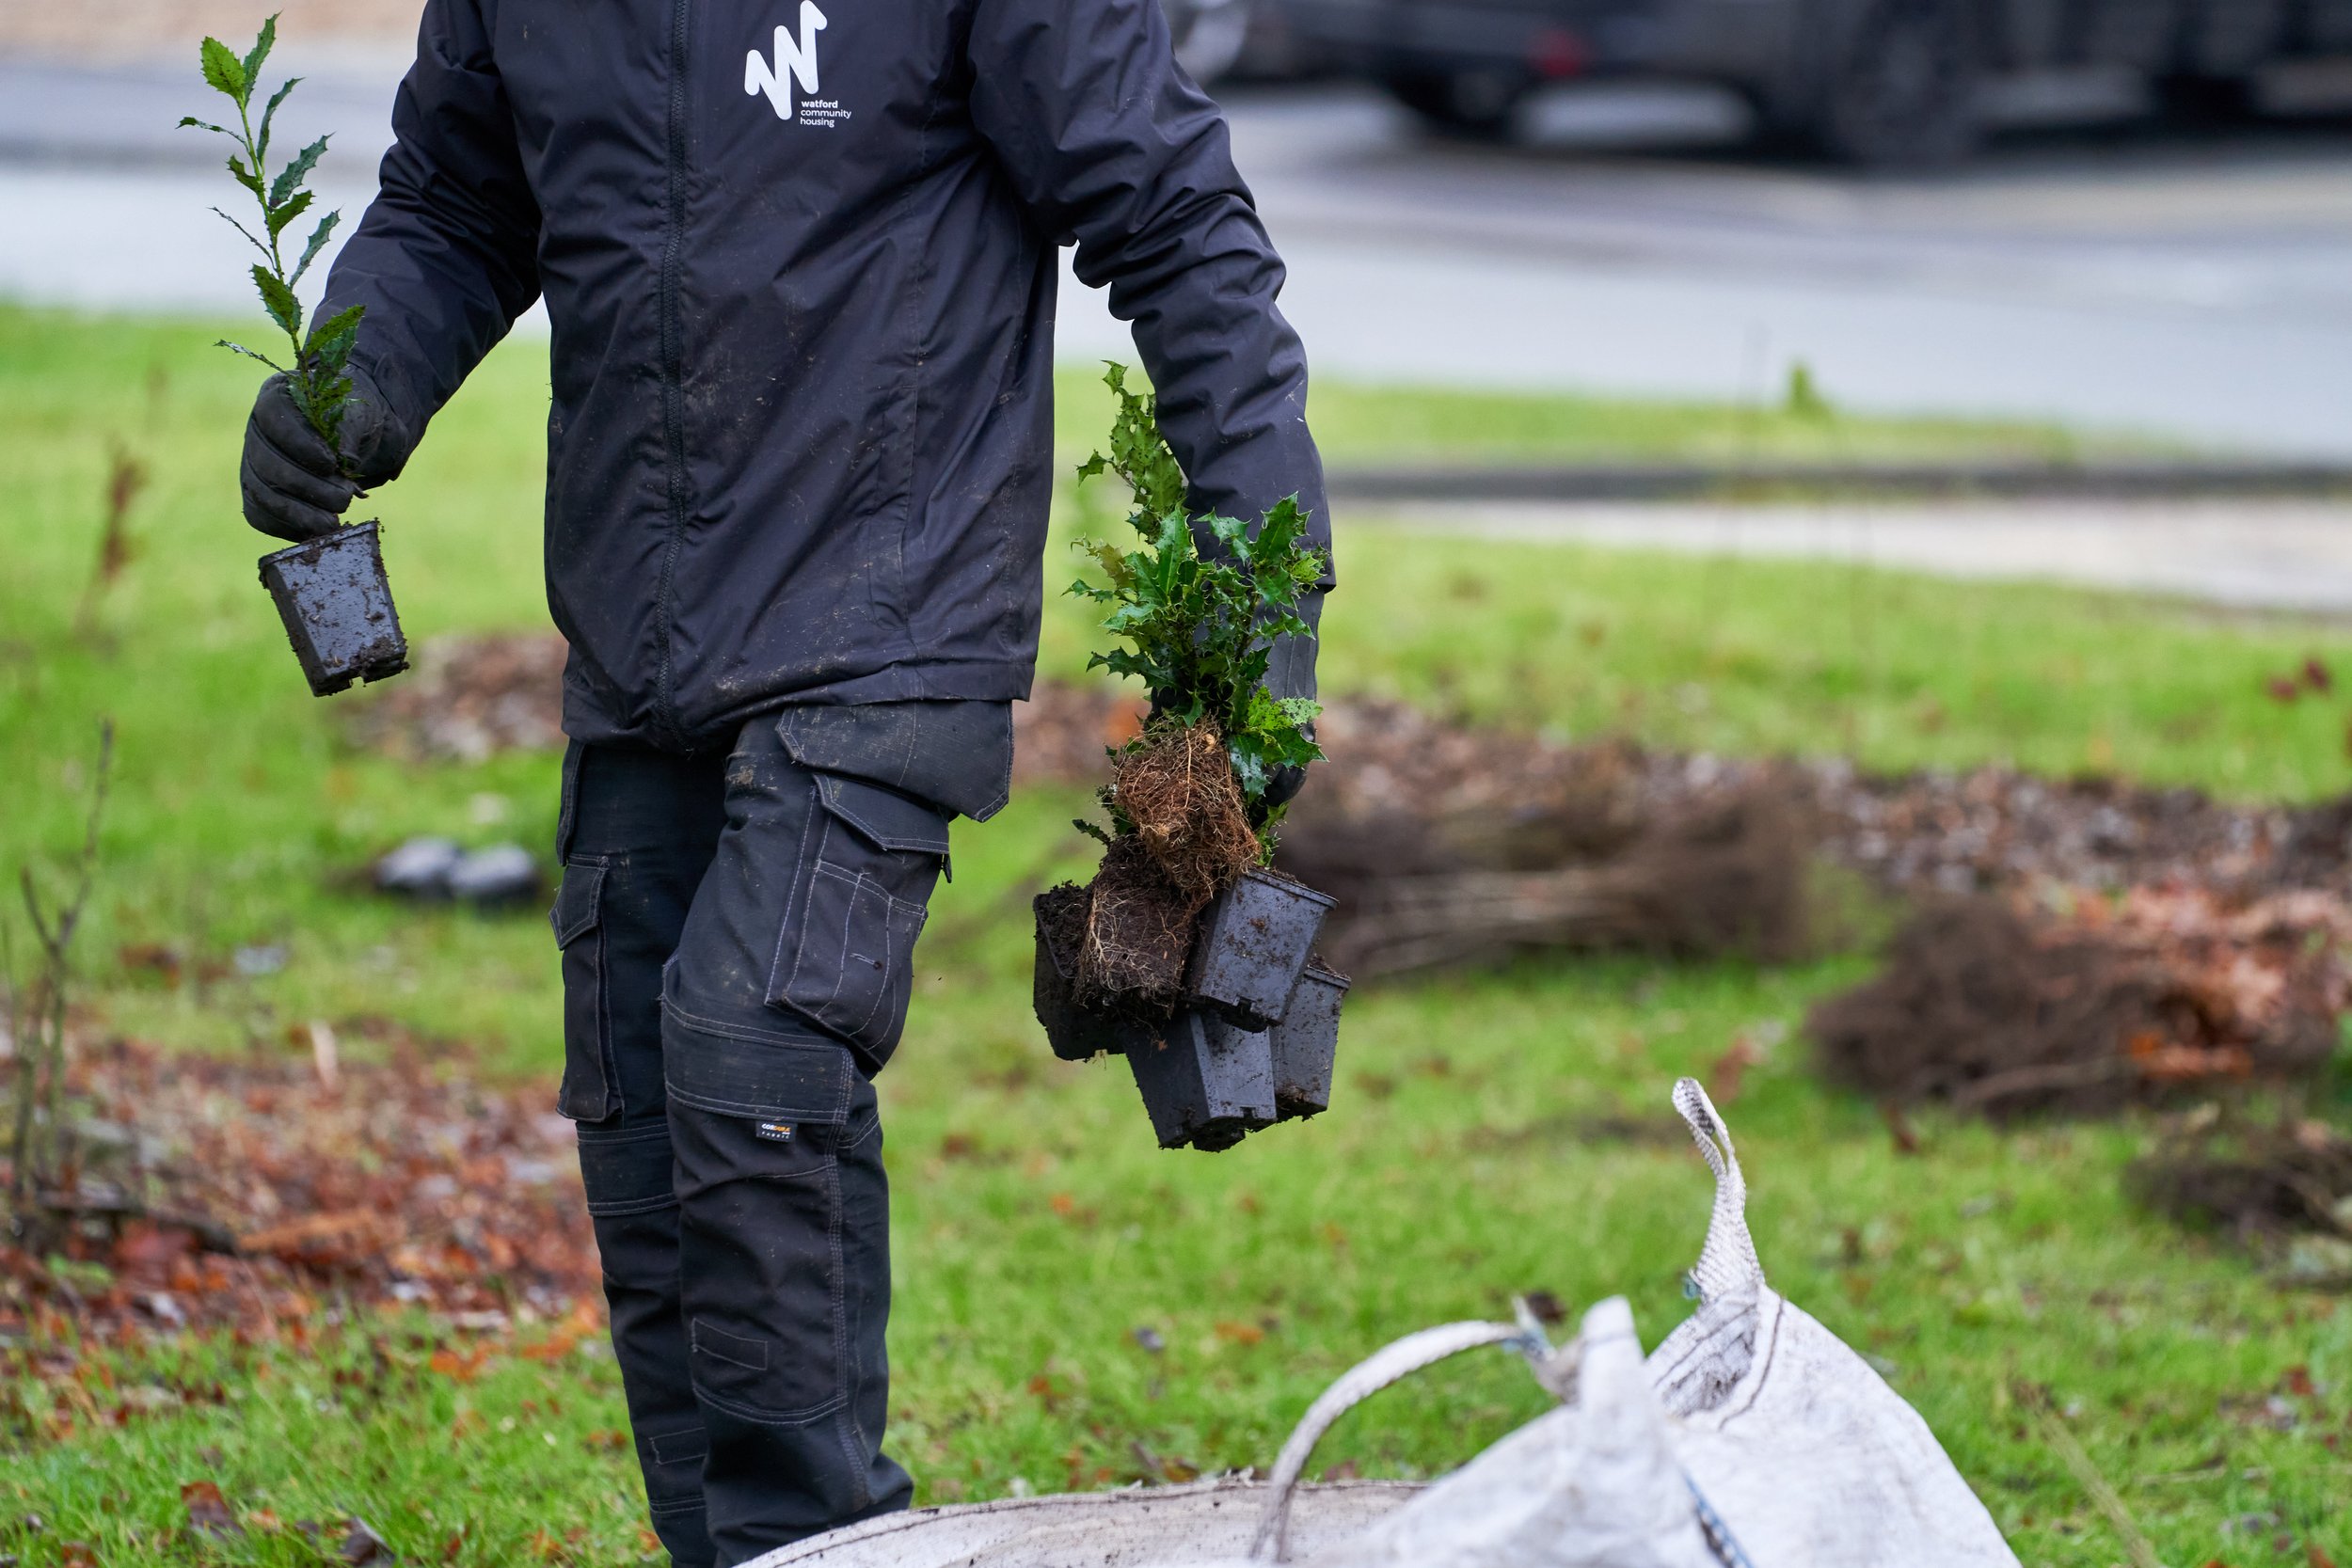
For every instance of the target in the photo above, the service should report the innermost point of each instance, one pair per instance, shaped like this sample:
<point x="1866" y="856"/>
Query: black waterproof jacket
<point x="799" y="255"/>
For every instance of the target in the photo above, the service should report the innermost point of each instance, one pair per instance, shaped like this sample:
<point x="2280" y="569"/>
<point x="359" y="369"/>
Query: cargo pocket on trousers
<point x="845" y="958"/>
<point x="587" y="1094"/>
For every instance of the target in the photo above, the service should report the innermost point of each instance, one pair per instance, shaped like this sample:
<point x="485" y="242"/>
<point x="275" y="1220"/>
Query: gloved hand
<point x="295" y="487"/>
<point x="1284" y="784"/>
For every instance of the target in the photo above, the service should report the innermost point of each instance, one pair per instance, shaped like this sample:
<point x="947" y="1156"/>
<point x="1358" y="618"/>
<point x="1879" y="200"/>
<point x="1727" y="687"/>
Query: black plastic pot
<point x="1305" y="1043"/>
<point x="1252" y="946"/>
<point x="337" y="604"/>
<point x="1205" y="1083"/>
<point x="1077" y="1034"/>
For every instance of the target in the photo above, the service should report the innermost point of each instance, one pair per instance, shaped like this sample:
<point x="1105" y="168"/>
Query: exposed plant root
<point x="1990" y="1010"/>
<point x="1727" y="876"/>
<point x="1139" y="933"/>
<point x="1178" y="789"/>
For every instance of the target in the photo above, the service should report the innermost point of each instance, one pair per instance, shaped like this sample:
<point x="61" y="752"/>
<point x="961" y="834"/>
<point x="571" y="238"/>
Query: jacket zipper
<point x="672" y="372"/>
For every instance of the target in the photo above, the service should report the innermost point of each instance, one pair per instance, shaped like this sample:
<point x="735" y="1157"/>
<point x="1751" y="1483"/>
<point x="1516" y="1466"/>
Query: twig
<point x="2095" y="1485"/>
<point x="41" y="1061"/>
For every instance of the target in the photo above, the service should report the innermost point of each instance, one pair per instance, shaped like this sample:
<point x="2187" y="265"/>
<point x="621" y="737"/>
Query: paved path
<point x="2290" y="556"/>
<point x="2202" y="290"/>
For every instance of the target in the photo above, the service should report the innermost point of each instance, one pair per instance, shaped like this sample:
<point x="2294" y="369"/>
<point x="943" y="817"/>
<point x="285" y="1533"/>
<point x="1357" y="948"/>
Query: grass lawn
<point x="1037" y="1229"/>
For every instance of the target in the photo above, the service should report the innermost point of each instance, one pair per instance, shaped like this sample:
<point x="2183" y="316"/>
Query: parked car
<point x="1874" y="81"/>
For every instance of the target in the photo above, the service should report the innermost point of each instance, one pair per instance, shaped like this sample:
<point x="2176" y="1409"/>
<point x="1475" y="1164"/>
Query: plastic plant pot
<point x="337" y="605"/>
<point x="1252" y="945"/>
<point x="1205" y="1083"/>
<point x="1305" y="1043"/>
<point x="1076" y="1033"/>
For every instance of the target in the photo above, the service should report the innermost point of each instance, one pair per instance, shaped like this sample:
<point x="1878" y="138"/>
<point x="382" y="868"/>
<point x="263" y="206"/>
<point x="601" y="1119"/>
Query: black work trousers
<point x="737" y="936"/>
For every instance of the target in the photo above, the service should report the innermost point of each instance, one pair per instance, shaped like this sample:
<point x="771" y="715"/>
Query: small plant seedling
<point x="1199" y="630"/>
<point x="316" y="358"/>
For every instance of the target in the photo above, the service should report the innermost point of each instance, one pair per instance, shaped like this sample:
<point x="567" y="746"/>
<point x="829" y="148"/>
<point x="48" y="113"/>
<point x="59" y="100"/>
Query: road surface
<point x="2199" y="291"/>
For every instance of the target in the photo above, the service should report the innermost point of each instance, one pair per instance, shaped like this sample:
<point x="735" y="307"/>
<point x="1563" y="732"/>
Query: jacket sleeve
<point x="1110" y="146"/>
<point x="446" y="255"/>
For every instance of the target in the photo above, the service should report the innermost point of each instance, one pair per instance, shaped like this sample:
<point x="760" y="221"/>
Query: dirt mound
<point x="237" y="1191"/>
<point x="1991" y="1009"/>
<point x="1178" y="789"/>
<point x="467" y="697"/>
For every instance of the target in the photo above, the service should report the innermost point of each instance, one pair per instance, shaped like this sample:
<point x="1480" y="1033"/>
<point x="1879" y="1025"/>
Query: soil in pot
<point x="1138" y="932"/>
<point x="1076" y="1032"/>
<point x="336" y="603"/>
<point x="1178" y="789"/>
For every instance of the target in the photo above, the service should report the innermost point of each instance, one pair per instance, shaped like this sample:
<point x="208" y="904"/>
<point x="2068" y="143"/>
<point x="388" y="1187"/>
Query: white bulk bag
<point x="1750" y="1438"/>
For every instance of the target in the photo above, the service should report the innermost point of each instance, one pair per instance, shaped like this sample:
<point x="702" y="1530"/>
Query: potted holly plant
<point x="1184" y="914"/>
<point x="331" y="592"/>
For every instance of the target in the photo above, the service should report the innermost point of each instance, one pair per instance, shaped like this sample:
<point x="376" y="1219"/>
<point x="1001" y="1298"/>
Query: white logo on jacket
<point x="796" y="61"/>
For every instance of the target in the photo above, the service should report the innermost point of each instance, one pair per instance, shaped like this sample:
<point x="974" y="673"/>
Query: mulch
<point x="246" y="1192"/>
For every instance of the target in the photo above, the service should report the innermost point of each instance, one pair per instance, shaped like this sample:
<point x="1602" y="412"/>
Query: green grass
<point x="1384" y="427"/>
<point x="1036" y="1228"/>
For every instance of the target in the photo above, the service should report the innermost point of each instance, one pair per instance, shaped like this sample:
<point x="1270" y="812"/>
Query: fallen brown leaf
<point x="209" y="1513"/>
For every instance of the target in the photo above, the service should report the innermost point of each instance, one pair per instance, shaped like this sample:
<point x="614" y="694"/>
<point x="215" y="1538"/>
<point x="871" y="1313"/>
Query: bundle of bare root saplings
<point x="1187" y="952"/>
<point x="2009" y="1005"/>
<point x="1448" y="844"/>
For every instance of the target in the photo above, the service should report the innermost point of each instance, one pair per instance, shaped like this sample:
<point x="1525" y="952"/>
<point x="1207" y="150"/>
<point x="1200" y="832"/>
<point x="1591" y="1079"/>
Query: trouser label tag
<point x="776" y="1131"/>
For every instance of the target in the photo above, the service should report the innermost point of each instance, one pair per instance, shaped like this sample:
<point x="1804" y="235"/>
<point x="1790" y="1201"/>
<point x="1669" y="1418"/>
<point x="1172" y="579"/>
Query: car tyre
<point x="1475" y="104"/>
<point x="1900" y="89"/>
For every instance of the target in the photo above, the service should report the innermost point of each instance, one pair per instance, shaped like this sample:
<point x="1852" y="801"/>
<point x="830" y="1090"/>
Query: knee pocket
<point x="627" y="1171"/>
<point x="766" y="1329"/>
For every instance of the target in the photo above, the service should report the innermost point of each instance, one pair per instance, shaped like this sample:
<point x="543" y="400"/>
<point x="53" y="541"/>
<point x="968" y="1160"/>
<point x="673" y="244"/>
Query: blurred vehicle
<point x="1874" y="81"/>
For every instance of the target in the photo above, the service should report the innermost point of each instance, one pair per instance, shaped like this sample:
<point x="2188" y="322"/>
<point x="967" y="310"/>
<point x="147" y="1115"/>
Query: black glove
<point x="1284" y="784"/>
<point x="295" y="487"/>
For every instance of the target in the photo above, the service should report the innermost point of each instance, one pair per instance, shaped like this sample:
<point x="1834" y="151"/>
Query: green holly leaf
<point x="242" y="175"/>
<point x="332" y="340"/>
<point x="280" y="301"/>
<point x="316" y="242"/>
<point x="289" y="178"/>
<point x="187" y="121"/>
<point x="223" y="71"/>
<point x="280" y="217"/>
<point x="251" y="65"/>
<point x="261" y="144"/>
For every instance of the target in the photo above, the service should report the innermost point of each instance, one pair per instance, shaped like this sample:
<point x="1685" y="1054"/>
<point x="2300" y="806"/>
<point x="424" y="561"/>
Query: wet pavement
<point x="2257" y="555"/>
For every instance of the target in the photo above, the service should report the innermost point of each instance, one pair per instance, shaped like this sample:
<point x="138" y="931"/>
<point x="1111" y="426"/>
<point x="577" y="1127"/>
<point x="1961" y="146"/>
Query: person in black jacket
<point x="800" y="263"/>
